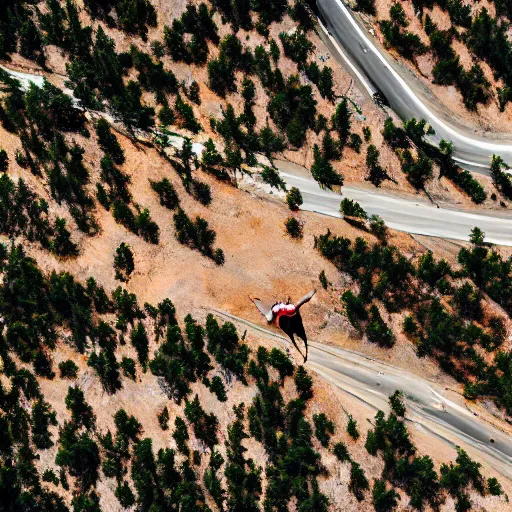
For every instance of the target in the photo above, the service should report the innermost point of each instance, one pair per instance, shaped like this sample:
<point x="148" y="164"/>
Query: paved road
<point x="372" y="382"/>
<point x="25" y="79"/>
<point x="415" y="216"/>
<point x="411" y="216"/>
<point x="376" y="71"/>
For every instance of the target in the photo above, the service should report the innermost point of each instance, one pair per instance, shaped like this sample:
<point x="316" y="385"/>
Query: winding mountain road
<point x="378" y="72"/>
<point x="428" y="408"/>
<point x="413" y="216"/>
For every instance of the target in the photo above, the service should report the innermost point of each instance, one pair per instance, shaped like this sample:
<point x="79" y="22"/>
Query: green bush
<point x="294" y="199"/>
<point x="68" y="369"/>
<point x="323" y="280"/>
<point x="293" y="227"/>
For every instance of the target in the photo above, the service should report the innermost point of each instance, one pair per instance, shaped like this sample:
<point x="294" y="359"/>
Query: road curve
<point x="369" y="64"/>
<point x="415" y="216"/>
<point x="372" y="381"/>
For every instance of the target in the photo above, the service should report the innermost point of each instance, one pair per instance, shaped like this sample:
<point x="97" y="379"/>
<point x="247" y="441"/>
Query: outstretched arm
<point x="305" y="299"/>
<point x="263" y="308"/>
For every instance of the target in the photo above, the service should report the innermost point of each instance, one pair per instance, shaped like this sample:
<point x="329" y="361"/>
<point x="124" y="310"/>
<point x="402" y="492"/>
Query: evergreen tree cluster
<point x="197" y="235"/>
<point x="415" y="474"/>
<point x="406" y="43"/>
<point x="196" y="23"/>
<point x="133" y="16"/>
<point x="419" y="168"/>
<point x="39" y="116"/>
<point x="448" y="70"/>
<point x="22" y="212"/>
<point x="445" y="314"/>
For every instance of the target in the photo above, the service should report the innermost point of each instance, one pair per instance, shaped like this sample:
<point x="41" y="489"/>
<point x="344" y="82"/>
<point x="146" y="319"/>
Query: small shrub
<point x="323" y="280"/>
<point x="68" y="369"/>
<point x="293" y="227"/>
<point x="294" y="199"/>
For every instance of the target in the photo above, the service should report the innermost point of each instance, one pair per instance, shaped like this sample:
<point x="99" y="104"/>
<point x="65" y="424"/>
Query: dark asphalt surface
<point x="471" y="151"/>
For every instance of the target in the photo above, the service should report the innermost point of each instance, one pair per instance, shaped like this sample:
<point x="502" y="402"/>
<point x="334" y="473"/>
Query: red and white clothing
<point x="280" y="309"/>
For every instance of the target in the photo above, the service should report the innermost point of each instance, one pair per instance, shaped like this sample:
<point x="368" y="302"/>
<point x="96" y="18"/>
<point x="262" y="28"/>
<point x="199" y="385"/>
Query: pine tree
<point x="322" y="171"/>
<point x="125" y="495"/>
<point x="384" y="500"/>
<point x="163" y="418"/>
<point x="341" y="122"/>
<point x="294" y="199"/>
<point x="140" y="342"/>
<point x="108" y="142"/>
<point x="42" y="418"/>
<point x="352" y="429"/>
<point x="180" y="435"/>
<point x="123" y="262"/>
